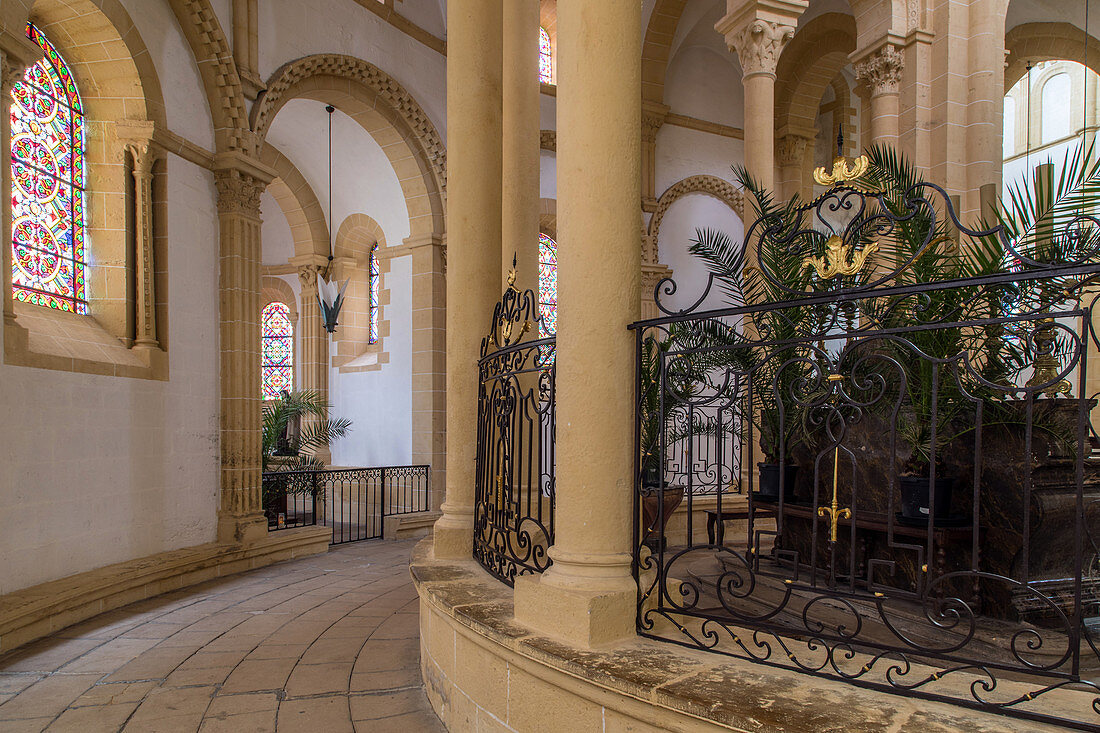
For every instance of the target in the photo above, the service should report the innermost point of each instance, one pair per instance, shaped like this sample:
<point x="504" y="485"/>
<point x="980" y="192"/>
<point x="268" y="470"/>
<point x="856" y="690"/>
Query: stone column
<point x="314" y="340"/>
<point x="653" y="119"/>
<point x="790" y="158"/>
<point x="145" y="303"/>
<point x="985" y="107"/>
<point x="240" y="180"/>
<point x="880" y="70"/>
<point x="474" y="216"/>
<point x="758" y="32"/>
<point x="588" y="595"/>
<point x="521" y="143"/>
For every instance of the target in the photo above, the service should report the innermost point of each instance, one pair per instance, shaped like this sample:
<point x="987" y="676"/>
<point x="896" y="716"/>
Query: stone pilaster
<point x="588" y="595"/>
<point x="790" y="161"/>
<point x="240" y="180"/>
<point x="314" y="340"/>
<point x="880" y="70"/>
<point x="653" y="119"/>
<point x="139" y="143"/>
<point x="758" y="33"/>
<point x="474" y="215"/>
<point x="246" y="44"/>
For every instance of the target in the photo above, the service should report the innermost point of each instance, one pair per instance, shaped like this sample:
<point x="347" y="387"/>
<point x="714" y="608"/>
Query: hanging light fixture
<point x="328" y="298"/>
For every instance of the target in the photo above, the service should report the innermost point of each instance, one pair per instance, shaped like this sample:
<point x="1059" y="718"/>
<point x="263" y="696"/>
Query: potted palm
<point x="286" y="450"/>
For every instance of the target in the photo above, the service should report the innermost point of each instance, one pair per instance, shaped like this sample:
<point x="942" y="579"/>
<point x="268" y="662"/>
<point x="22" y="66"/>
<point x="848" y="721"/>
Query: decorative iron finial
<point x="840" y="141"/>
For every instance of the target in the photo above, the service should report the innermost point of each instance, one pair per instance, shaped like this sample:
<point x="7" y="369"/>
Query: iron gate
<point x="514" y="493"/>
<point x="895" y="409"/>
<point x="352" y="501"/>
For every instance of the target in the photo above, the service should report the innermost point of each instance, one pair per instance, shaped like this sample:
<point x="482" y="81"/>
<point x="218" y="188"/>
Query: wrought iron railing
<point x="908" y="457"/>
<point x="514" y="492"/>
<point x="352" y="501"/>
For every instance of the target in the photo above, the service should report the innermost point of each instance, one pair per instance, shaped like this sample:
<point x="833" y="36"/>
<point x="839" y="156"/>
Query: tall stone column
<point x="240" y="180"/>
<point x="521" y="142"/>
<point x="314" y="340"/>
<point x="145" y="307"/>
<point x="880" y="70"/>
<point x="587" y="596"/>
<point x="758" y="32"/>
<point x="474" y="216"/>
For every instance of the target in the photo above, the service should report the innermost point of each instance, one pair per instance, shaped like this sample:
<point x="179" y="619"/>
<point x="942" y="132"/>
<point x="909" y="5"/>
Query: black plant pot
<point x="769" y="481"/>
<point x="915" y="493"/>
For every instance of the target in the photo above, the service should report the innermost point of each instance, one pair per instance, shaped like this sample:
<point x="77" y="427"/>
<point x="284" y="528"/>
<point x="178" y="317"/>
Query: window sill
<point x="44" y="338"/>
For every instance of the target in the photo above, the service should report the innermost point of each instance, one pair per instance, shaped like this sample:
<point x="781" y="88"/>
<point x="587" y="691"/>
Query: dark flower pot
<point x="657" y="508"/>
<point x="914" y="497"/>
<point x="769" y="481"/>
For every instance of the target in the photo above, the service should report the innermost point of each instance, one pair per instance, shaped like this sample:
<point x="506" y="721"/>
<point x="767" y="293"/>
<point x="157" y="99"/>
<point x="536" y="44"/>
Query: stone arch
<point x="298" y="202"/>
<point x="656" y="47"/>
<point x="275" y="289"/>
<point x="808" y="65"/>
<point x="218" y="71"/>
<point x="711" y="186"/>
<point x="385" y="110"/>
<point x="1047" y="42"/>
<point x="357" y="236"/>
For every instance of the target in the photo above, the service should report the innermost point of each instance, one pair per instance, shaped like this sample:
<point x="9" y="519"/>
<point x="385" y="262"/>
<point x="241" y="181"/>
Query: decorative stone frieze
<point x="759" y="44"/>
<point x="881" y="71"/>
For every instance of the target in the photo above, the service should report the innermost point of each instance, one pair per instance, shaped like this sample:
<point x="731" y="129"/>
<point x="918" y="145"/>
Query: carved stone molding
<point x="652" y="121"/>
<point x="548" y="140"/>
<point x="307" y="278"/>
<point x="759" y="44"/>
<point x="711" y="186"/>
<point x="789" y="150"/>
<point x="386" y="87"/>
<point x="881" y="71"/>
<point x="238" y="192"/>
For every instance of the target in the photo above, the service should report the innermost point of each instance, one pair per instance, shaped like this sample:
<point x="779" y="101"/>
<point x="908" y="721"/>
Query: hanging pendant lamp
<point x="328" y="298"/>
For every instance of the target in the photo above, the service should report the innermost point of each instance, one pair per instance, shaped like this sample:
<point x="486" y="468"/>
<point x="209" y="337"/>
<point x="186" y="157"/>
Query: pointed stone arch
<point x="385" y="110"/>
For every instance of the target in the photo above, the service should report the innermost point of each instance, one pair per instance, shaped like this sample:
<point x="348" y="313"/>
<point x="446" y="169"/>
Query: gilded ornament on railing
<point x="834" y="511"/>
<point x="1046" y="364"/>
<point x="839" y="258"/>
<point x="842" y="172"/>
<point x="514" y="309"/>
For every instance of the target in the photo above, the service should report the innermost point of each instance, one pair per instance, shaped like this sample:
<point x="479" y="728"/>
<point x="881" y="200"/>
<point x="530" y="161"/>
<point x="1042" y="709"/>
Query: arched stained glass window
<point x="548" y="285"/>
<point x="47" y="150"/>
<point x="278" y="350"/>
<point x="546" y="58"/>
<point x="374" y="294"/>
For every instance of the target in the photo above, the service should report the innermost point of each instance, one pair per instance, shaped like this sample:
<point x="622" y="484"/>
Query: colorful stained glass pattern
<point x="546" y="58"/>
<point x="278" y="350"/>
<point x="47" y="196"/>
<point x="374" y="277"/>
<point x="548" y="285"/>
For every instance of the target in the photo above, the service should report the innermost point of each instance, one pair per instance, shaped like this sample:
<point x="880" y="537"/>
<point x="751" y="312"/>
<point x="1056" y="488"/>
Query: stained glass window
<point x="548" y="285"/>
<point x="47" y="196"/>
<point x="374" y="294"/>
<point x="278" y="350"/>
<point x="546" y="58"/>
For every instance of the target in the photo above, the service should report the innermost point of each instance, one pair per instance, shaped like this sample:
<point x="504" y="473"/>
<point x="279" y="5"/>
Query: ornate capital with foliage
<point x="759" y="44"/>
<point x="238" y="192"/>
<point x="789" y="149"/>
<point x="881" y="71"/>
<point x="307" y="277"/>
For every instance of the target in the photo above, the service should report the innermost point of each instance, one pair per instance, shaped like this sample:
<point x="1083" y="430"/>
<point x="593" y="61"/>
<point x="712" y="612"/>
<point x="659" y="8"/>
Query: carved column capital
<point x="759" y="44"/>
<point x="653" y="118"/>
<point x="790" y="149"/>
<point x="240" y="179"/>
<point x="881" y="70"/>
<point x="307" y="278"/>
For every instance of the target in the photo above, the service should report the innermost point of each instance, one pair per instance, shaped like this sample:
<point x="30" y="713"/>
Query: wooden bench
<point x="716" y="520"/>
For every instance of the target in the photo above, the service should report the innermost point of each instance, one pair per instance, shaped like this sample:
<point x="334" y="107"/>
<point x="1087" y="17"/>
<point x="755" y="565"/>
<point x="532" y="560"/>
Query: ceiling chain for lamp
<point x="328" y="298"/>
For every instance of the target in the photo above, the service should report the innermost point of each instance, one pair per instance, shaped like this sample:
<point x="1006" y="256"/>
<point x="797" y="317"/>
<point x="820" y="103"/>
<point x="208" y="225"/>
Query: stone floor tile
<point x="157" y="663"/>
<point x="27" y="725"/>
<point x="388" y="704"/>
<point x="259" y="674"/>
<point x="420" y="722"/>
<point x="317" y="679"/>
<point x="10" y="684"/>
<point x="47" y="697"/>
<point x="275" y="650"/>
<point x="171" y="709"/>
<point x="109" y="656"/>
<point x="381" y="655"/>
<point x="117" y="693"/>
<point x="389" y="680"/>
<point x="93" y="719"/>
<point x="47" y="655"/>
<point x="328" y="714"/>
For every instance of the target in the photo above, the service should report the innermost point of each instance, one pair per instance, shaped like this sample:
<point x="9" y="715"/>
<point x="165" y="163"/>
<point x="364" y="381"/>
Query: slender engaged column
<point x="240" y="180"/>
<point x="145" y="323"/>
<point x="881" y="72"/>
<point x="314" y="342"/>
<point x="758" y="32"/>
<point x="521" y="142"/>
<point x="474" y="215"/>
<point x="790" y="155"/>
<point x="588" y="594"/>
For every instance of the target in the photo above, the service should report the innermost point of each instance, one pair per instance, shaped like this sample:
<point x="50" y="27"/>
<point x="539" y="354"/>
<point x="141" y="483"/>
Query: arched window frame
<point x="53" y="156"/>
<point x="1047" y="116"/>
<point x="546" y="57"/>
<point x="270" y="360"/>
<point x="548" y="285"/>
<point x="374" y="285"/>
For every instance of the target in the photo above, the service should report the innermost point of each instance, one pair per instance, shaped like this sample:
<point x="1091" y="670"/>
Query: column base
<point x="454" y="535"/>
<point x="581" y="615"/>
<point x="241" y="529"/>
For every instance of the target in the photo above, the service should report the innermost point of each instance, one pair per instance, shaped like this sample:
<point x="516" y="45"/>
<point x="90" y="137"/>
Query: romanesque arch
<point x="711" y="186"/>
<point x="1046" y="42"/>
<point x="298" y="202"/>
<point x="656" y="47"/>
<point x="385" y="110"/>
<point x="808" y="66"/>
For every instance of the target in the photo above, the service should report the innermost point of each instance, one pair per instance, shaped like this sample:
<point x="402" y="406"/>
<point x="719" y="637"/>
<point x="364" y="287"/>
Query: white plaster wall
<point x="678" y="229"/>
<point x="184" y="99"/>
<point x="99" y="469"/>
<point x="379" y="403"/>
<point x="682" y="152"/>
<point x="278" y="242"/>
<point x="428" y="14"/>
<point x="290" y="29"/>
<point x="548" y="175"/>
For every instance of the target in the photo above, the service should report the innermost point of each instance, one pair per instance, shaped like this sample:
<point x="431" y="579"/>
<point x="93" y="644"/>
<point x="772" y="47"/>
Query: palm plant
<point x="298" y="448"/>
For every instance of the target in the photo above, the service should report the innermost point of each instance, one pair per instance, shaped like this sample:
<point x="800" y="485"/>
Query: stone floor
<point x="327" y="643"/>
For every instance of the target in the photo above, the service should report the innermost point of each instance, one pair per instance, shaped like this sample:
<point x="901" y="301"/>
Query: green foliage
<point x="300" y="448"/>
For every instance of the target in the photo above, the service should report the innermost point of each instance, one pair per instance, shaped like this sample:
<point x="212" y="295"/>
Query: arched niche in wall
<point x="360" y="257"/>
